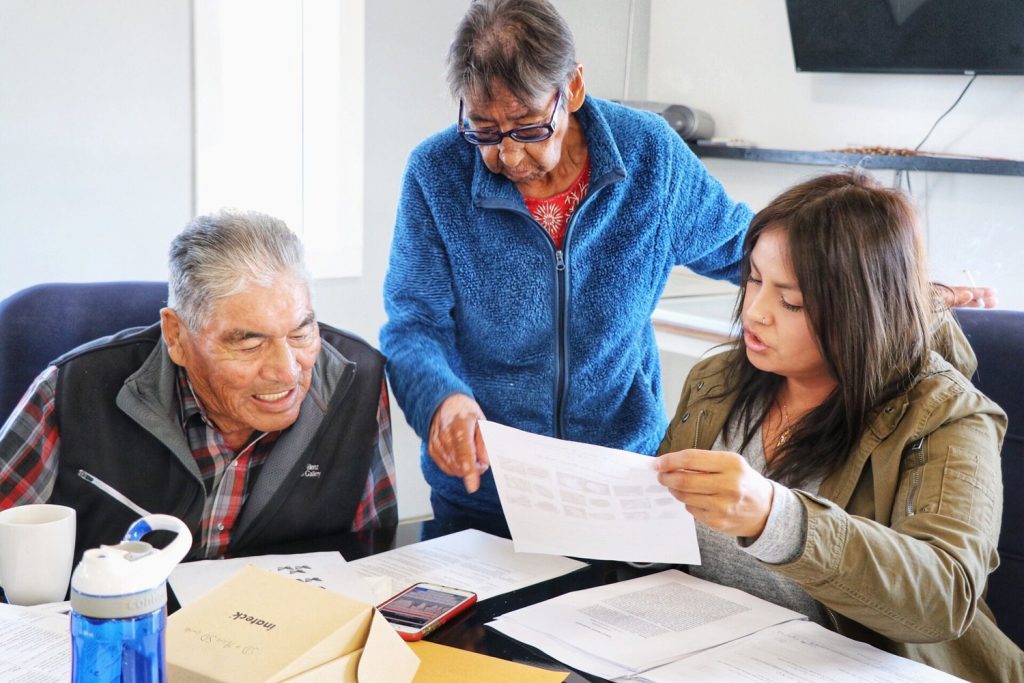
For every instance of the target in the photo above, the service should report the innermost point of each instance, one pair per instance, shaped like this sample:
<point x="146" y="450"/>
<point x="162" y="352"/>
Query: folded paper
<point x="258" y="626"/>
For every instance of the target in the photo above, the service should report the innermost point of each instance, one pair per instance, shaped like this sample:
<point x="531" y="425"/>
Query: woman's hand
<point x="719" y="489"/>
<point x="455" y="443"/>
<point x="971" y="297"/>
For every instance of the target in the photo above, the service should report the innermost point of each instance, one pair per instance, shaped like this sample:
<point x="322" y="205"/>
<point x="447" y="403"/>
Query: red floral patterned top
<point x="553" y="212"/>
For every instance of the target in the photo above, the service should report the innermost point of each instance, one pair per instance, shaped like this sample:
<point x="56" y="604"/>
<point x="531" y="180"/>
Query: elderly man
<point x="238" y="413"/>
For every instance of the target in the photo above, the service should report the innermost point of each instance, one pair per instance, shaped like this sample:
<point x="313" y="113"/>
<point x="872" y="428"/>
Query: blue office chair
<point x="40" y="323"/>
<point x="997" y="338"/>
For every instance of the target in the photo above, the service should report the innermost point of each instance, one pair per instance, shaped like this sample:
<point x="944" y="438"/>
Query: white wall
<point x="95" y="138"/>
<point x="732" y="58"/>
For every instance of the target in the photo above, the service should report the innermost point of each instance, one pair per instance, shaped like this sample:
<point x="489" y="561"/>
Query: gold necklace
<point x="784" y="425"/>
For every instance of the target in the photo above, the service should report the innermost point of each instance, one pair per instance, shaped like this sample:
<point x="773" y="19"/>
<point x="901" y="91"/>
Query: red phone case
<point x="429" y="628"/>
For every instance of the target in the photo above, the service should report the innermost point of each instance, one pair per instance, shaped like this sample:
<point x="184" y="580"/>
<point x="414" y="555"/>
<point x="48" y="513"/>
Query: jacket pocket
<point x="972" y="490"/>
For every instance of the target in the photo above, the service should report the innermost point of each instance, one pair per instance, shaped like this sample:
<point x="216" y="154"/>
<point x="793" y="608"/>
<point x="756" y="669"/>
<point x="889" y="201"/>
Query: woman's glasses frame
<point x="535" y="132"/>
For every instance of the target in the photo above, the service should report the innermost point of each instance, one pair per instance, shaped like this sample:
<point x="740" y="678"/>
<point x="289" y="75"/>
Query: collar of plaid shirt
<point x="228" y="476"/>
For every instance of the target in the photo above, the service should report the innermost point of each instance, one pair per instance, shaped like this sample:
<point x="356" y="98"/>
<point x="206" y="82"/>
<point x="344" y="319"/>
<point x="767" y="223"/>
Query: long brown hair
<point x="858" y="257"/>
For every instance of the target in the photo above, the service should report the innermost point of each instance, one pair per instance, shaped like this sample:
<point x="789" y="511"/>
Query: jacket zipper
<point x="562" y="316"/>
<point x="696" y="427"/>
<point x="560" y="358"/>
<point x="561" y="313"/>
<point x="917" y="451"/>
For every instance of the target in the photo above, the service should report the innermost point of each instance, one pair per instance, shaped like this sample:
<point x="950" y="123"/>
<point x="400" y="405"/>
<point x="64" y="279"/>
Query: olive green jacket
<point x="901" y="540"/>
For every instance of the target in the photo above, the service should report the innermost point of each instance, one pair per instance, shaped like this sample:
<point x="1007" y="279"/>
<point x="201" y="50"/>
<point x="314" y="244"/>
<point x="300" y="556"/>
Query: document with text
<point x="470" y="559"/>
<point x="795" y="651"/>
<point x="35" y="645"/>
<point x="579" y="500"/>
<point x="629" y="627"/>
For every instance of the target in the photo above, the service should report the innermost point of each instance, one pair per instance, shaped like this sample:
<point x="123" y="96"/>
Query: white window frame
<point x="279" y="92"/>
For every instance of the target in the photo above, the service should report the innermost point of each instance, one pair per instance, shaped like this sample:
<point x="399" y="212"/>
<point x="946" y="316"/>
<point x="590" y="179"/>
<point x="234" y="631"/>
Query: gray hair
<point x="523" y="44"/>
<point x="218" y="255"/>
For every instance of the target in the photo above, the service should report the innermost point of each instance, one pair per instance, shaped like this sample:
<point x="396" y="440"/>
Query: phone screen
<point x="420" y="605"/>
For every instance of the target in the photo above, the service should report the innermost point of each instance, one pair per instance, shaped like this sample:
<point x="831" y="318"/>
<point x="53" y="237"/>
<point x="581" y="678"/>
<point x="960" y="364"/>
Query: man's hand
<point x="972" y="297"/>
<point x="455" y="443"/>
<point x="719" y="489"/>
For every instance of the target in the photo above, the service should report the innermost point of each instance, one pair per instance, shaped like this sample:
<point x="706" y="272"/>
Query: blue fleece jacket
<point x="560" y="343"/>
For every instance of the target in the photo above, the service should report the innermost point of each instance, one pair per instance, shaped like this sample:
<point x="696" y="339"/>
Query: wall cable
<point x="898" y="179"/>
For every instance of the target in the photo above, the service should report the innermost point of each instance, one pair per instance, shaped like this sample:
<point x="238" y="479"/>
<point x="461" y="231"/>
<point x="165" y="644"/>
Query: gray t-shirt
<point x="729" y="561"/>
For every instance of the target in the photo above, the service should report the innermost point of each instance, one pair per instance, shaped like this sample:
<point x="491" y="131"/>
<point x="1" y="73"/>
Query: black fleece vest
<point x="98" y="437"/>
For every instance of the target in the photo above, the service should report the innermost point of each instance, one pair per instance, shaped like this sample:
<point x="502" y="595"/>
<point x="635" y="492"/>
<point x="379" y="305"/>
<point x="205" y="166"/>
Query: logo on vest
<point x="312" y="472"/>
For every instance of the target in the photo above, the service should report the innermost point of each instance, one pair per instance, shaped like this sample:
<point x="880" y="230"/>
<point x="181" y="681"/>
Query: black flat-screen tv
<point x="908" y="36"/>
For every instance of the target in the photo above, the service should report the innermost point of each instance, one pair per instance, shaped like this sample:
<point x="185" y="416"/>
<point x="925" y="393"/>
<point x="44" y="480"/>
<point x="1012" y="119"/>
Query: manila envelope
<point x="443" y="664"/>
<point x="260" y="627"/>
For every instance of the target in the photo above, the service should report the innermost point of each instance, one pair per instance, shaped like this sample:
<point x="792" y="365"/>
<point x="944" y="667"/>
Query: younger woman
<point x="835" y="462"/>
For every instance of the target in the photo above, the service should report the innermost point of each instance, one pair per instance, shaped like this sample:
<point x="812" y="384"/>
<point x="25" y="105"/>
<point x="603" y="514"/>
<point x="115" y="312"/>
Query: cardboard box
<point x="261" y="627"/>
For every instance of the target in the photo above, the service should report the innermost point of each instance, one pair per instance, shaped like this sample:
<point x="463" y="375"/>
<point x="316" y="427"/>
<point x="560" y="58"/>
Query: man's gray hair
<point x="220" y="254"/>
<point x="523" y="44"/>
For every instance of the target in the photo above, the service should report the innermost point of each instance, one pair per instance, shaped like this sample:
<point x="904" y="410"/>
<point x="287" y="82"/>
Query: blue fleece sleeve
<point x="707" y="226"/>
<point x="419" y="336"/>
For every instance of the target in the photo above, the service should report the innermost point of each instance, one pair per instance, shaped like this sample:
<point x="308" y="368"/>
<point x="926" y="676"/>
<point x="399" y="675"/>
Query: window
<point x="279" y="119"/>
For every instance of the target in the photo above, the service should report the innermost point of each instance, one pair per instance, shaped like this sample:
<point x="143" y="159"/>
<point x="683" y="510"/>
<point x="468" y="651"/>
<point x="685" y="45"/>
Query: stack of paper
<point x="795" y="651"/>
<point x="470" y="559"/>
<point x="328" y="570"/>
<point x="674" y="628"/>
<point x="35" y="644"/>
<point x="629" y="627"/>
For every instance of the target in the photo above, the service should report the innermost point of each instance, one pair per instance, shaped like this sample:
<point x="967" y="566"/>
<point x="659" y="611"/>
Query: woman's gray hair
<point x="523" y="44"/>
<point x="218" y="255"/>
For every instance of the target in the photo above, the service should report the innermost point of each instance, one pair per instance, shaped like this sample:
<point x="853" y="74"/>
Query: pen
<point x="970" y="279"/>
<point x="974" y="286"/>
<point x="113" y="493"/>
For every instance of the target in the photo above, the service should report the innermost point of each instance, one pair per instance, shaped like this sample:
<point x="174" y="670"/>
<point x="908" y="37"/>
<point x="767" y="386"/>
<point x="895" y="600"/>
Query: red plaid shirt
<point x="30" y="452"/>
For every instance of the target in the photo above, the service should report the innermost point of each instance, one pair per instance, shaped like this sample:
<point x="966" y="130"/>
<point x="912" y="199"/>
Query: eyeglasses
<point x="532" y="133"/>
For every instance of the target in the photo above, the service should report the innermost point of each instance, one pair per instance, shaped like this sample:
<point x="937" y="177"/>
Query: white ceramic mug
<point x="37" y="546"/>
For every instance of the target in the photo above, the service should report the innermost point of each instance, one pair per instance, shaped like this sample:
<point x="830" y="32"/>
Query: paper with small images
<point x="328" y="570"/>
<point x="575" y="499"/>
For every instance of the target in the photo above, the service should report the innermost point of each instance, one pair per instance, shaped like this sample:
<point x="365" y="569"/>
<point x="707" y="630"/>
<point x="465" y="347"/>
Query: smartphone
<point x="422" y="607"/>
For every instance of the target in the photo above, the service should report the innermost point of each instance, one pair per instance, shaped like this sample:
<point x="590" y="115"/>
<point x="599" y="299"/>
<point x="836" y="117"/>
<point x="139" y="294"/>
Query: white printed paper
<point x="190" y="580"/>
<point x="795" y="651"/>
<point x="632" y="626"/>
<point x="35" y="645"/>
<point x="569" y="498"/>
<point x="470" y="559"/>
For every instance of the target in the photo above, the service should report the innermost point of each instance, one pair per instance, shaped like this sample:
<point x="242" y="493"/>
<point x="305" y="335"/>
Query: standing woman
<point x="533" y="240"/>
<point x="835" y="462"/>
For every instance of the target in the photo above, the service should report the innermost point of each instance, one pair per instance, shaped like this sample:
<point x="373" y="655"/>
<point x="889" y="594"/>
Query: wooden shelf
<point x="869" y="161"/>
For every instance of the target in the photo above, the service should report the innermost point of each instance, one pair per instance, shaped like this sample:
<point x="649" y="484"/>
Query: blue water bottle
<point x="119" y="606"/>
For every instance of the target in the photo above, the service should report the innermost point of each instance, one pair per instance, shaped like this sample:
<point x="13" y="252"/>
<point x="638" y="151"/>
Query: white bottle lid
<point x="130" y="578"/>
